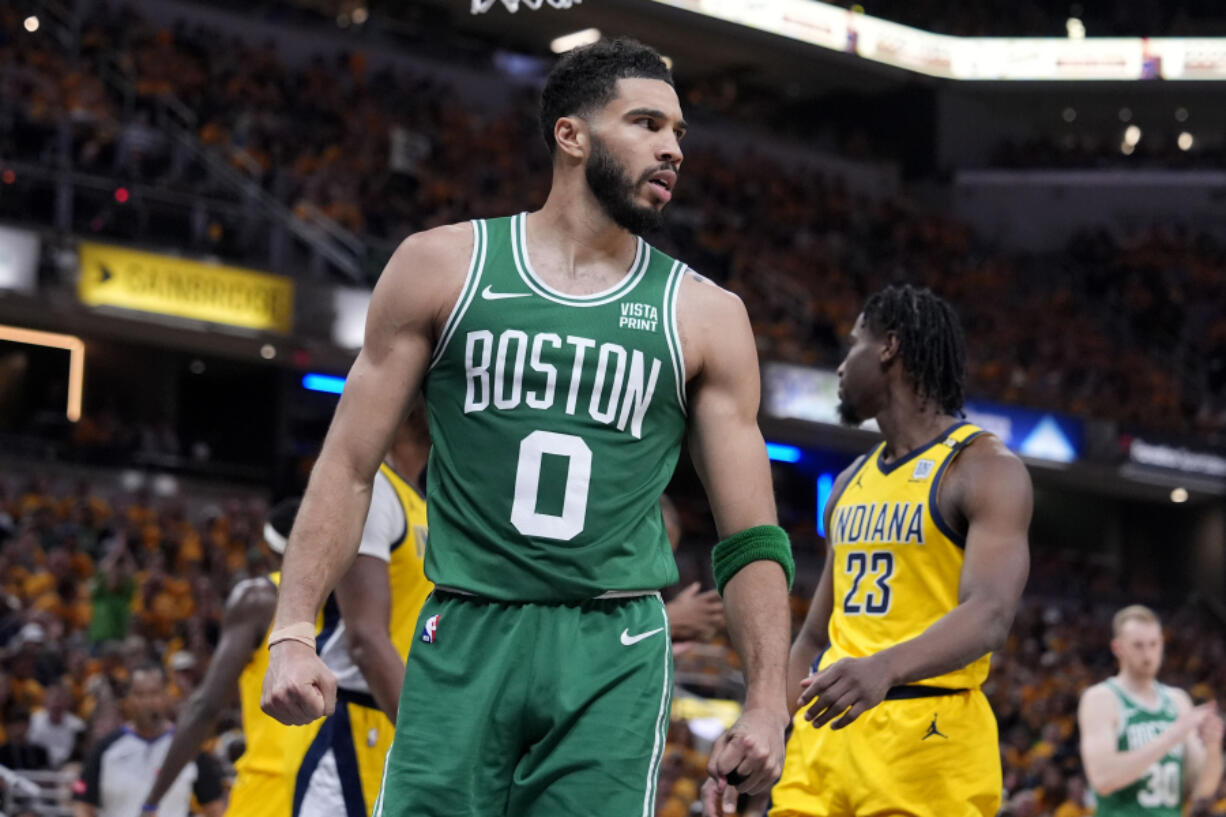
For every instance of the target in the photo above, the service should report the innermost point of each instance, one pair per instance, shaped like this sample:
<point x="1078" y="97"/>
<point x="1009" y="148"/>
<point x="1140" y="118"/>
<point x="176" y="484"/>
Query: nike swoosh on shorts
<point x="628" y="639"/>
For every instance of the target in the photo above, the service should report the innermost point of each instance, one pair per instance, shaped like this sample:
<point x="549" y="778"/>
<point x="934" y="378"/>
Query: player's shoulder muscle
<point x="425" y="275"/>
<point x="713" y="323"/>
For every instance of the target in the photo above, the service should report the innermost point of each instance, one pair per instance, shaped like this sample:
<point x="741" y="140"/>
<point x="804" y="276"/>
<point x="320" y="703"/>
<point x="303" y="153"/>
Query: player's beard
<point x="849" y="415"/>
<point x="614" y="189"/>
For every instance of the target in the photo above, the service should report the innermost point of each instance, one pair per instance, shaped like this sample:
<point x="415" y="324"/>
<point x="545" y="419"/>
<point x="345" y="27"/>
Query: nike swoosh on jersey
<point x="628" y="639"/>
<point x="489" y="295"/>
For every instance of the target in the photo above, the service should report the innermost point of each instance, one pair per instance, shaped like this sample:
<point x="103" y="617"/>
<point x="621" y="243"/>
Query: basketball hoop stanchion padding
<point x="482" y="6"/>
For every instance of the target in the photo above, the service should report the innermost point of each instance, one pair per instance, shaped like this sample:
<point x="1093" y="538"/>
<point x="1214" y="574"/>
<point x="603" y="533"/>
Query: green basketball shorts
<point x="531" y="710"/>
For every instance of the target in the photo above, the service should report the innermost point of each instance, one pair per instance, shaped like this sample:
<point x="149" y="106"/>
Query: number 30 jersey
<point x="897" y="563"/>
<point x="1159" y="793"/>
<point x="557" y="421"/>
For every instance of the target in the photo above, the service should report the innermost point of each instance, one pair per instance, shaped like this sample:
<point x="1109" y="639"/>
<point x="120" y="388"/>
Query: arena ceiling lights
<point x="972" y="58"/>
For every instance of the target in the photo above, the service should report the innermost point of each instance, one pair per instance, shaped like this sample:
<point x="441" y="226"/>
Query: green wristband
<point x="763" y="543"/>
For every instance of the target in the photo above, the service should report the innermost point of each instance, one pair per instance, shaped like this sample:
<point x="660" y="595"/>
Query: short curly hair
<point x="586" y="79"/>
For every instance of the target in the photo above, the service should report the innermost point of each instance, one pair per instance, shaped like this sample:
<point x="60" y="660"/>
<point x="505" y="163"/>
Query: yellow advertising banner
<point x="163" y="284"/>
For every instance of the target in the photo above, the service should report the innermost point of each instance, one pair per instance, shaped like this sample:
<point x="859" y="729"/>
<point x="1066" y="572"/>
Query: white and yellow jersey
<point x="396" y="532"/>
<point x="897" y="562"/>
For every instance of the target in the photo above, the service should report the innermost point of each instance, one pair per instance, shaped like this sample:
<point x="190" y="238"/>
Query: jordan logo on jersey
<point x="933" y="732"/>
<point x="428" y="632"/>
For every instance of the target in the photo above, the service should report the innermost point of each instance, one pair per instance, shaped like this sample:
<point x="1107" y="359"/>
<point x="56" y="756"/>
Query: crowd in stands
<point x="386" y="154"/>
<point x="94" y="584"/>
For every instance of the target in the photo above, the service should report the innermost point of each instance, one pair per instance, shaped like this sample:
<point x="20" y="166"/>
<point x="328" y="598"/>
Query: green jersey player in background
<point x="1146" y="750"/>
<point x="563" y="361"/>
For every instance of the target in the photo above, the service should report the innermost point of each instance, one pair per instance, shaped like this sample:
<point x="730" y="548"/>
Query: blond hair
<point x="1133" y="612"/>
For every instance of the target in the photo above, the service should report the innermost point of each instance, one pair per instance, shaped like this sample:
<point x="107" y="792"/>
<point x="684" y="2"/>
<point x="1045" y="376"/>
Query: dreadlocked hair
<point x="930" y="341"/>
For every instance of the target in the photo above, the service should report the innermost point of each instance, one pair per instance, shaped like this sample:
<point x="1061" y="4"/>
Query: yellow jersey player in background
<point x="333" y="766"/>
<point x="927" y="559"/>
<point x="265" y="771"/>
<point x="378" y="600"/>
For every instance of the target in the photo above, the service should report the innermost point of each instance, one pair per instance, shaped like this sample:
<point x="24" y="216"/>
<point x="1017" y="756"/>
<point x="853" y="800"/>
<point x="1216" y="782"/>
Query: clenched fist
<point x="299" y="688"/>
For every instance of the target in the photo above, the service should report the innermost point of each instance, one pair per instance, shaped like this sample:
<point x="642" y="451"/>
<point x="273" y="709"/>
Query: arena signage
<point x="1176" y="459"/>
<point x="1037" y="434"/>
<point x="165" y="285"/>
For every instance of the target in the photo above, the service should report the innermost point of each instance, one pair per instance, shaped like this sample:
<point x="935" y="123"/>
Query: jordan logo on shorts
<point x="933" y="731"/>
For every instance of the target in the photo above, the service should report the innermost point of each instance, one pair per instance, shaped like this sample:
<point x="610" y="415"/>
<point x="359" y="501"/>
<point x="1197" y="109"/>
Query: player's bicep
<point x="725" y="441"/>
<point x="1097" y="721"/>
<point x="399" y="340"/>
<point x="376" y="395"/>
<point x="998" y="500"/>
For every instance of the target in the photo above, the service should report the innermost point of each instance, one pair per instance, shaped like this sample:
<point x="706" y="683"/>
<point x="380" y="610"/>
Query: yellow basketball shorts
<point x="343" y="768"/>
<point x="264" y="786"/>
<point x="935" y="756"/>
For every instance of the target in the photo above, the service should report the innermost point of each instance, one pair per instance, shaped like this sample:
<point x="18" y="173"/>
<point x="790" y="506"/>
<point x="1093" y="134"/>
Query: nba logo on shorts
<point x="427" y="632"/>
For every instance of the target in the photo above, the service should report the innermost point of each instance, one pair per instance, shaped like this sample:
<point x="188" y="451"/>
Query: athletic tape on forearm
<point x="763" y="543"/>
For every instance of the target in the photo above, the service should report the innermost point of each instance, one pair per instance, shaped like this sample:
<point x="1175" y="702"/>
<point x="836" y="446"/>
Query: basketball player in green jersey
<point x="1146" y="750"/>
<point x="563" y="361"/>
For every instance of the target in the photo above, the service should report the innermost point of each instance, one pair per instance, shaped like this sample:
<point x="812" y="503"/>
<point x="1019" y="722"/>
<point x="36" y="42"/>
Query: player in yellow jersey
<point x="266" y="770"/>
<point x="927" y="559"/>
<point x="330" y="767"/>
<point x="379" y="599"/>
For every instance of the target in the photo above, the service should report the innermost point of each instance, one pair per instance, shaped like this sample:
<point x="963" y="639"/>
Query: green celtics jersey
<point x="557" y="421"/>
<point x="1159" y="793"/>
